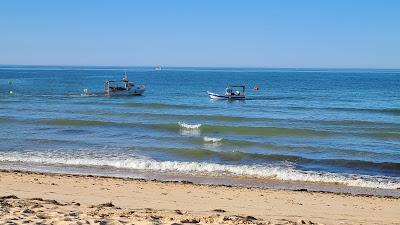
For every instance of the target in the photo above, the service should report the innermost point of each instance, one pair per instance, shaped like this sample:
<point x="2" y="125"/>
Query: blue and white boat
<point x="232" y="92"/>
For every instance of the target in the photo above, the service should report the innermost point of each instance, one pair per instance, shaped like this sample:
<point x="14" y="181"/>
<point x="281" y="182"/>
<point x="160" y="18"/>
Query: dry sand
<point x="36" y="198"/>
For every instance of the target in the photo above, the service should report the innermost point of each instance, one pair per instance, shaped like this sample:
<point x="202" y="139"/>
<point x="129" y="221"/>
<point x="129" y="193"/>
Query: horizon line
<point x="205" y="67"/>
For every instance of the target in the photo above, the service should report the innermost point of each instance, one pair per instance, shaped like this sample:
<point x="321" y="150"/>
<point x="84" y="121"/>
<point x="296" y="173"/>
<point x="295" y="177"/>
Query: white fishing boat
<point x="122" y="88"/>
<point x="232" y="92"/>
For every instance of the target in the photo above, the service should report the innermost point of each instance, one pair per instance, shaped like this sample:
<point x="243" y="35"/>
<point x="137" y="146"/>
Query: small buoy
<point x="256" y="88"/>
<point x="11" y="92"/>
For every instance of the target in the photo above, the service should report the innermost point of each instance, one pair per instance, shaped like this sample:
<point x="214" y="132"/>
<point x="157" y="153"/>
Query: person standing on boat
<point x="128" y="84"/>
<point x="228" y="91"/>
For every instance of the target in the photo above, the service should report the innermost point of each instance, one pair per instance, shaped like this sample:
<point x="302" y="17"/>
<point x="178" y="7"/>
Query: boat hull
<point x="225" y="97"/>
<point x="131" y="92"/>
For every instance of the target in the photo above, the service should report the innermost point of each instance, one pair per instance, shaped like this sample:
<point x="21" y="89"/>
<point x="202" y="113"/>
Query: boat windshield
<point x="235" y="90"/>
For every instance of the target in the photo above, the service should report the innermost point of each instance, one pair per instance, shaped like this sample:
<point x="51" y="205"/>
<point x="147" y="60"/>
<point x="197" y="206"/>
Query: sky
<point x="202" y="33"/>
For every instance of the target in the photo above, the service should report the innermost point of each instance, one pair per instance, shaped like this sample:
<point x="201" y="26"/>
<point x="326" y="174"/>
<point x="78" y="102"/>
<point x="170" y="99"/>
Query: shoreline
<point x="207" y="179"/>
<point x="189" y="181"/>
<point x="232" y="203"/>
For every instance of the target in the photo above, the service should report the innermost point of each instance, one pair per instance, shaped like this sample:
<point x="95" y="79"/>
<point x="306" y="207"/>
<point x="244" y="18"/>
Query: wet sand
<point x="39" y="198"/>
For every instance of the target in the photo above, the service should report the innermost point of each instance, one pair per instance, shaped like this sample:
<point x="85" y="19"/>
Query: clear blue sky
<point x="216" y="33"/>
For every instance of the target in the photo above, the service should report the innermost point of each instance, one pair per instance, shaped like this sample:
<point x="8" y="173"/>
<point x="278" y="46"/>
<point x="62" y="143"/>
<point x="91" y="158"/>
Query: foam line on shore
<point x="259" y="171"/>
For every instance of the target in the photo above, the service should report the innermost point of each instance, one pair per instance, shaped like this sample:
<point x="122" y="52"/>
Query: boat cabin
<point x="235" y="90"/>
<point x="122" y="88"/>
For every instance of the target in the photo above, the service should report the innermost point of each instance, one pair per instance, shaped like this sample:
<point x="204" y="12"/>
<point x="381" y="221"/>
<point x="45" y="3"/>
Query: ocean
<point x="319" y="126"/>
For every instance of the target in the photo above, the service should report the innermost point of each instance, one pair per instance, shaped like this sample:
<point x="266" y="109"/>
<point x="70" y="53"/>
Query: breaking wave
<point x="213" y="140"/>
<point x="189" y="126"/>
<point x="287" y="173"/>
<point x="221" y="129"/>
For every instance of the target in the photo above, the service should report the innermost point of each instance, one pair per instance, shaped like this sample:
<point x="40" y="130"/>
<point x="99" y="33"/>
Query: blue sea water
<point x="326" y="126"/>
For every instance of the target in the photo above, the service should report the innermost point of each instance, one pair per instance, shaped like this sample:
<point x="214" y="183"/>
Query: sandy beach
<point x="38" y="198"/>
<point x="199" y="112"/>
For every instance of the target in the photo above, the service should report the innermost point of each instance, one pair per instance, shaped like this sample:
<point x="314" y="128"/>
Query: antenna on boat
<point x="125" y="79"/>
<point x="107" y="87"/>
<point x="10" y="84"/>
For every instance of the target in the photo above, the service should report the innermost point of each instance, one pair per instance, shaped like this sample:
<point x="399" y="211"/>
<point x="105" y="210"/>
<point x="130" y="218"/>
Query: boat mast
<point x="107" y="87"/>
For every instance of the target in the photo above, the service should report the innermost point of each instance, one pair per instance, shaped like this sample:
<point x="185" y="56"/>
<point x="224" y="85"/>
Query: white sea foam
<point x="189" y="126"/>
<point x="213" y="140"/>
<point x="261" y="171"/>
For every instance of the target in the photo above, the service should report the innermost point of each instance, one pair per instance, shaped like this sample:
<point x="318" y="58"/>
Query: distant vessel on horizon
<point x="158" y="67"/>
